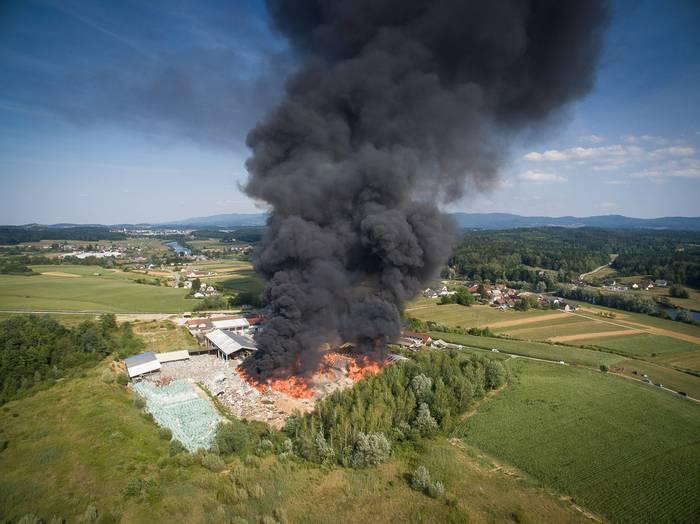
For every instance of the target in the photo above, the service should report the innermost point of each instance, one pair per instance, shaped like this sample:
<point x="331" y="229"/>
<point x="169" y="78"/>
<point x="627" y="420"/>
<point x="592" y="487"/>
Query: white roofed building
<point x="229" y="344"/>
<point x="141" y="364"/>
<point x="237" y="325"/>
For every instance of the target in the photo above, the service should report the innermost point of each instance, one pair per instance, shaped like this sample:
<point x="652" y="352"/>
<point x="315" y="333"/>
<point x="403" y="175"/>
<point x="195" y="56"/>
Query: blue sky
<point x="137" y="111"/>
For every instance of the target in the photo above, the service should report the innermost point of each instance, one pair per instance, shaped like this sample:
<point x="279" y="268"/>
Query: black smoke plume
<point x="398" y="105"/>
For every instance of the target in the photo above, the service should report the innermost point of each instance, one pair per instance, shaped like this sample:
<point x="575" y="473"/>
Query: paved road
<point x="584" y="275"/>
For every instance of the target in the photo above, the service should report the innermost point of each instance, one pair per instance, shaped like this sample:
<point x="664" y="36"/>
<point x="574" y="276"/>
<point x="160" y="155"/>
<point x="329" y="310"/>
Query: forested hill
<point x="521" y="254"/>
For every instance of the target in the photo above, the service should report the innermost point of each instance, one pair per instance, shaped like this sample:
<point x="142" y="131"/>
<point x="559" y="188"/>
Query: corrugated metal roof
<point x="172" y="356"/>
<point x="141" y="358"/>
<point x="227" y="343"/>
<point x="231" y="323"/>
<point x="242" y="341"/>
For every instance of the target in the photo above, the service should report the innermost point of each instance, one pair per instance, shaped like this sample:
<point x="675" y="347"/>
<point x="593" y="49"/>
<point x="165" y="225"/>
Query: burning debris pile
<point x="336" y="371"/>
<point x="395" y="108"/>
<point x="273" y="401"/>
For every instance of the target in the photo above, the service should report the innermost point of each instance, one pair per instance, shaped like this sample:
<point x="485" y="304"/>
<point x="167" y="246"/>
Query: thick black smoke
<point x="397" y="106"/>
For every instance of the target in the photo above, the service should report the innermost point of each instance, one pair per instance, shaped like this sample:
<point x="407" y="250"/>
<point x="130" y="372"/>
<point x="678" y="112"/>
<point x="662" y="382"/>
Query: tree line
<point x="19" y="234"/>
<point x="36" y="350"/>
<point x="407" y="401"/>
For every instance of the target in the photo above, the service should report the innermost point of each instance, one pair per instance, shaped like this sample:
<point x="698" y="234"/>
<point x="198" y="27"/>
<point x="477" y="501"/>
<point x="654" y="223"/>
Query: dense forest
<point x="564" y="253"/>
<point x="680" y="265"/>
<point x="18" y="234"/>
<point x="37" y="350"/>
<point x="414" y="399"/>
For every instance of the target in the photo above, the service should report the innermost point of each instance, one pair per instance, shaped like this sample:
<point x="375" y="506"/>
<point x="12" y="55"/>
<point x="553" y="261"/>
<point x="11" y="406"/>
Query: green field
<point x="645" y="345"/>
<point x="111" y="291"/>
<point x="689" y="360"/>
<point x="570" y="355"/>
<point x="83" y="443"/>
<point x="625" y="450"/>
<point x="553" y="328"/>
<point x="660" y="374"/>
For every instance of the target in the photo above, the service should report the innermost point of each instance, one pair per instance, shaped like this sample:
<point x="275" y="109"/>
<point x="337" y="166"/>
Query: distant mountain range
<point x="464" y="220"/>
<point x="484" y="221"/>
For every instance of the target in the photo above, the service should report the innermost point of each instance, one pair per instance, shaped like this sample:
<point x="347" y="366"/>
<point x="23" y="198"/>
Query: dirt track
<point x="60" y="274"/>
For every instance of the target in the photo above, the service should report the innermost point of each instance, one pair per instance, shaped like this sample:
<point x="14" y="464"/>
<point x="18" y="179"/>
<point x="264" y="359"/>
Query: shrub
<point x="133" y="488"/>
<point x="107" y="376"/>
<point x="604" y="368"/>
<point x="287" y="446"/>
<point x="122" y="379"/>
<point x="422" y="387"/>
<point x="420" y="480"/>
<point x="370" y="450"/>
<point x="165" y="433"/>
<point x="256" y="492"/>
<point x="424" y="422"/>
<point x="265" y="446"/>
<point x="232" y="437"/>
<point x="436" y="489"/>
<point x="495" y="374"/>
<point x="213" y="462"/>
<point x="324" y="452"/>
<point x="176" y="448"/>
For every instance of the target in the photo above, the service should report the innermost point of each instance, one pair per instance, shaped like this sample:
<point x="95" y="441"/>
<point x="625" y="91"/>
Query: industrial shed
<point x="238" y="325"/>
<point x="141" y="364"/>
<point x="230" y="344"/>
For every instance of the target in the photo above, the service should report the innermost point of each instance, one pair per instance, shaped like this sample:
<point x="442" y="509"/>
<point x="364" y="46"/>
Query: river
<point x="175" y="246"/>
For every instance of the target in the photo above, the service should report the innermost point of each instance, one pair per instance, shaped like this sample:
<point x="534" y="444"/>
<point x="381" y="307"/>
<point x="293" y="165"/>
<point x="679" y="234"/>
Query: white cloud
<point x="539" y="176"/>
<point x="587" y="154"/>
<point x="593" y="139"/>
<point x="617" y="182"/>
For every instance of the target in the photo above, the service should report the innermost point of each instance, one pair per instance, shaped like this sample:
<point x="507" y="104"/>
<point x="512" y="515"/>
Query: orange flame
<point x="299" y="386"/>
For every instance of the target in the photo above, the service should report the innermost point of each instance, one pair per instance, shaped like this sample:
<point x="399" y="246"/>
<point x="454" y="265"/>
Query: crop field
<point x="96" y="289"/>
<point x="575" y="326"/>
<point x="242" y="284"/>
<point x="687" y="360"/>
<point x="83" y="442"/>
<point x="223" y="266"/>
<point x="660" y="374"/>
<point x="570" y="355"/>
<point x="625" y="450"/>
<point x="645" y="345"/>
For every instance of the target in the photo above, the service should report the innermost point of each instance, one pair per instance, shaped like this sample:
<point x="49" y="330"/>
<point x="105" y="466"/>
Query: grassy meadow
<point x="88" y="288"/>
<point x="83" y="443"/>
<point x="622" y="449"/>
<point x="162" y="336"/>
<point x="644" y="345"/>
